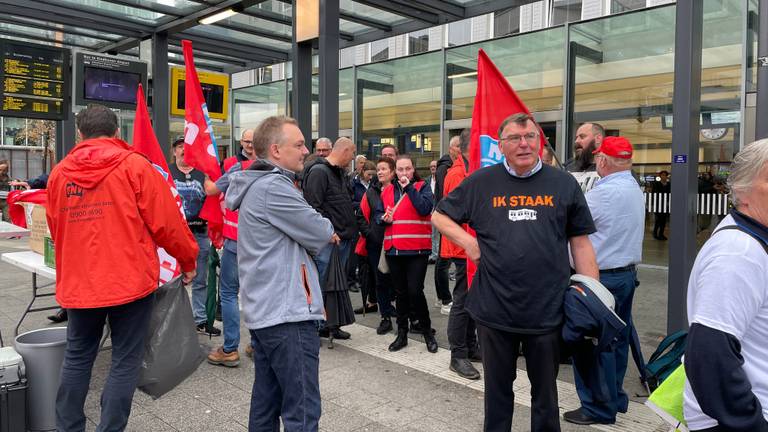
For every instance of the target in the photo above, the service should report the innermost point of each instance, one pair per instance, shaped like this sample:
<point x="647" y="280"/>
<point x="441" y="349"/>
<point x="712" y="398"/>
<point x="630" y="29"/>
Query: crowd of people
<point x="292" y="220"/>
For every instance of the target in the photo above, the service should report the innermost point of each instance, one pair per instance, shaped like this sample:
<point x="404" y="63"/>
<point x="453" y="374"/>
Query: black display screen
<point x="106" y="85"/>
<point x="212" y="93"/>
<point x="35" y="80"/>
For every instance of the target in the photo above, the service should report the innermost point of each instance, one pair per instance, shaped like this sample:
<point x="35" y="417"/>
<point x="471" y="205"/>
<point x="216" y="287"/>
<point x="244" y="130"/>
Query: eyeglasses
<point x="516" y="139"/>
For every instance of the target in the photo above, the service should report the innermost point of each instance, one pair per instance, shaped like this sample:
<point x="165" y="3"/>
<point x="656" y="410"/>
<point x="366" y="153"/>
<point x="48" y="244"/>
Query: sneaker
<point x="219" y="357"/>
<point x="206" y="329"/>
<point x="249" y="350"/>
<point x="438" y="303"/>
<point x="446" y="309"/>
<point x="385" y="326"/>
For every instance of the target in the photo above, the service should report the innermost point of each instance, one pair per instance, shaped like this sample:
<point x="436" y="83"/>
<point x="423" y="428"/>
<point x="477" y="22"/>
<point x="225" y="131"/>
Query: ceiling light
<point x="218" y="16"/>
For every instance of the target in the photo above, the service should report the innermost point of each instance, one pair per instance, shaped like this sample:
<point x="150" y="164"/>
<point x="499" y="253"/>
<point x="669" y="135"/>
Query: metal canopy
<point x="260" y="34"/>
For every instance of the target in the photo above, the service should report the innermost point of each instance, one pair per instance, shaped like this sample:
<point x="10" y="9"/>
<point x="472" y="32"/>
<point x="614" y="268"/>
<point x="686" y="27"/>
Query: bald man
<point x="327" y="189"/>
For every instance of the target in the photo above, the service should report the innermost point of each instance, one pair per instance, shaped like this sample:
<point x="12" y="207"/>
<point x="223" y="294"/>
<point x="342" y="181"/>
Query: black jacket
<point x="326" y="188"/>
<point x="443" y="165"/>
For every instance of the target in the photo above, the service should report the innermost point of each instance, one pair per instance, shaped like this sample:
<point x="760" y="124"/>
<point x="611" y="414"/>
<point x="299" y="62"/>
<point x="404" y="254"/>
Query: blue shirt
<point x="618" y="209"/>
<point x="512" y="172"/>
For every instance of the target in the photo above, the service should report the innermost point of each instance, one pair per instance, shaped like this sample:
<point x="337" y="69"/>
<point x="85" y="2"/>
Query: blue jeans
<point x="286" y="359"/>
<point x="230" y="286"/>
<point x="128" y="324"/>
<point x="622" y="286"/>
<point x="200" y="282"/>
<point x="323" y="258"/>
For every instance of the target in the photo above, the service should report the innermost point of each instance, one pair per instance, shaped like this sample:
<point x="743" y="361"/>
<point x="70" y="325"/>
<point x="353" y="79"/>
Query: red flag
<point x="145" y="142"/>
<point x="31" y="196"/>
<point x="495" y="100"/>
<point x="200" y="144"/>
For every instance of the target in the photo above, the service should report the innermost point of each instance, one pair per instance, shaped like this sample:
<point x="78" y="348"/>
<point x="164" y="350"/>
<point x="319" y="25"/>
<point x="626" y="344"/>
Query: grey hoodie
<point x="278" y="231"/>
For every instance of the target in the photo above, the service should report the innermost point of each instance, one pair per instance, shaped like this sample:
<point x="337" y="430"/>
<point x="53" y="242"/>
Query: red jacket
<point x="108" y="211"/>
<point x="230" y="216"/>
<point x="360" y="247"/>
<point x="409" y="230"/>
<point x="455" y="175"/>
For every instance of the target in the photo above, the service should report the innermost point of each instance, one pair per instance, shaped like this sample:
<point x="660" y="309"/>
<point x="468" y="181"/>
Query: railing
<point x="706" y="204"/>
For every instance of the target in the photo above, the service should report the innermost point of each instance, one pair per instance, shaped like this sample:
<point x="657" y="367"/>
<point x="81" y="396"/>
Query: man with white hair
<point x="618" y="210"/>
<point x="323" y="147"/>
<point x="726" y="357"/>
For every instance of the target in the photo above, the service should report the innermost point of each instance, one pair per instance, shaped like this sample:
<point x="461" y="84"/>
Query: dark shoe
<point x="385" y="326"/>
<point x="367" y="309"/>
<point x="429" y="339"/>
<point x="209" y="330"/>
<point x="475" y="357"/>
<point x="431" y="260"/>
<point x="416" y="327"/>
<point x="59" y="317"/>
<point x="324" y="332"/>
<point x="400" y="341"/>
<point x="579" y="418"/>
<point x="464" y="368"/>
<point x="354" y="288"/>
<point x="341" y="334"/>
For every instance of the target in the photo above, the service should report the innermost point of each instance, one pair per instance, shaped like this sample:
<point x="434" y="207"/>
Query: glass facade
<point x="623" y="78"/>
<point x="28" y="145"/>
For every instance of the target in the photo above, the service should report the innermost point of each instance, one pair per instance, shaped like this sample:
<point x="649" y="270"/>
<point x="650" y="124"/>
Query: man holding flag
<point x="525" y="215"/>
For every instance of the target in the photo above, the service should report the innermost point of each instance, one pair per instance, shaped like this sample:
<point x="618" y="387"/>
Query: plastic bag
<point x="172" y="351"/>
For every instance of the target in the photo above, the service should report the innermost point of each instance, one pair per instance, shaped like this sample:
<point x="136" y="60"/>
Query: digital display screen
<point x="212" y="93"/>
<point x="110" y="85"/>
<point x="108" y="80"/>
<point x="35" y="80"/>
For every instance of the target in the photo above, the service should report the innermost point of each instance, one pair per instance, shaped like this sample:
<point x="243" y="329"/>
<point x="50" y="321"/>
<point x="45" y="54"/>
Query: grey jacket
<point x="278" y="231"/>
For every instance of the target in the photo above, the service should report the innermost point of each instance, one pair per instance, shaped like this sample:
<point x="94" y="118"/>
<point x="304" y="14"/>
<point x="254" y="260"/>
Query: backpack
<point x="666" y="358"/>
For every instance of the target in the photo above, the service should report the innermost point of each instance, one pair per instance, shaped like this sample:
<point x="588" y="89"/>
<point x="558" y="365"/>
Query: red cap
<point x="618" y="147"/>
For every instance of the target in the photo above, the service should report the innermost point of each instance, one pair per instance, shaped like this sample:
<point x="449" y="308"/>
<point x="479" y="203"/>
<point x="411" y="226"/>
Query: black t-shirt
<point x="191" y="187"/>
<point x="523" y="227"/>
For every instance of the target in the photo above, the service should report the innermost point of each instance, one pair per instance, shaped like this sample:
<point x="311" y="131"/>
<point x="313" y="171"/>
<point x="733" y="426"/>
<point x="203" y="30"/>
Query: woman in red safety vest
<point x="405" y="210"/>
<point x="372" y="239"/>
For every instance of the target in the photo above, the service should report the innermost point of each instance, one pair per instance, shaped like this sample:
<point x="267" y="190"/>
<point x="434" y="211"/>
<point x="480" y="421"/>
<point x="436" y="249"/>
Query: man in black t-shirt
<point x="192" y="185"/>
<point x="525" y="214"/>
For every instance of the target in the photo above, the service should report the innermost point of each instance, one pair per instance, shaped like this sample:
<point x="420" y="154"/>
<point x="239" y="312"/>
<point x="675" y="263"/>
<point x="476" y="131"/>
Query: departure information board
<point x="35" y="79"/>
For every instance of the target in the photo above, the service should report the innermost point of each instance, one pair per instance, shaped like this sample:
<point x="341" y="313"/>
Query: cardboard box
<point x="38" y="227"/>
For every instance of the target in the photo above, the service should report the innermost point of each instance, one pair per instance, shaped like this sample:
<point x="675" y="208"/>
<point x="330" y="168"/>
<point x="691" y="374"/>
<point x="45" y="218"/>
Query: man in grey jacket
<point x="282" y="301"/>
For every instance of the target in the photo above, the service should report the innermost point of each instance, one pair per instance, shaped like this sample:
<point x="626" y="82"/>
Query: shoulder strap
<point x="751" y="234"/>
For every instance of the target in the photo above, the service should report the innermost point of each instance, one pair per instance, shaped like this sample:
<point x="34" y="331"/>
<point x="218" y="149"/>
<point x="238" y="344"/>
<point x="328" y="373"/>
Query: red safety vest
<point x="409" y="230"/>
<point x="230" y="216"/>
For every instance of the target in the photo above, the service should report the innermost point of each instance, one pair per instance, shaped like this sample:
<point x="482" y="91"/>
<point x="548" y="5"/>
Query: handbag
<point x="383" y="265"/>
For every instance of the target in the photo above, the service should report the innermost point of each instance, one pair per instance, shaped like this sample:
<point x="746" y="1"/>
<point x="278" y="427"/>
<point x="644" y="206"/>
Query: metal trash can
<point x="43" y="354"/>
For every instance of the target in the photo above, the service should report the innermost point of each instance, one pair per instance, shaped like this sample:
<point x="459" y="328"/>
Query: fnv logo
<point x="73" y="189"/>
<point x="522" y="214"/>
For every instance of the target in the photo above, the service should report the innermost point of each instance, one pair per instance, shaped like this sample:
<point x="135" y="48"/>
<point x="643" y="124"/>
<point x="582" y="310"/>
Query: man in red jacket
<point x="108" y="212"/>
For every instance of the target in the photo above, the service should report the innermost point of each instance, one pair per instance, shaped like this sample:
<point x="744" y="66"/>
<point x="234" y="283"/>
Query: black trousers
<point x="659" y="224"/>
<point x="500" y="350"/>
<point x="461" y="327"/>
<point x="442" y="283"/>
<point x="408" y="273"/>
<point x="367" y="279"/>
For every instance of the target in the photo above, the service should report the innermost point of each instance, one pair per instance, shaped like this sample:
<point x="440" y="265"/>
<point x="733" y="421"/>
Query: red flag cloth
<point x="200" y="144"/>
<point x="495" y="100"/>
<point x="145" y="142"/>
<point x="16" y="212"/>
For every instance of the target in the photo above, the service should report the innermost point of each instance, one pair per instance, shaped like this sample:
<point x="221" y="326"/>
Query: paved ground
<point x="364" y="387"/>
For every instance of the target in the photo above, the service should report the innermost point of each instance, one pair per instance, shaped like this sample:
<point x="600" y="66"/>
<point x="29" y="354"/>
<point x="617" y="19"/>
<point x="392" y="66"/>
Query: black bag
<point x="172" y="351"/>
<point x="338" y="307"/>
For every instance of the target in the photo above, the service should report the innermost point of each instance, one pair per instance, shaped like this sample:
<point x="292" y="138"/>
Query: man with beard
<point x="589" y="136"/>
